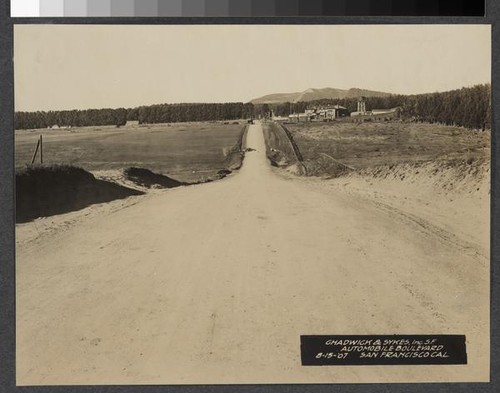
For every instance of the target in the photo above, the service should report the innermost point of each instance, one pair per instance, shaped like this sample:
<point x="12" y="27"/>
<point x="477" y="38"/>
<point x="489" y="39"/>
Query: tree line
<point x="173" y="113"/>
<point x="73" y="118"/>
<point x="467" y="107"/>
<point x="164" y="113"/>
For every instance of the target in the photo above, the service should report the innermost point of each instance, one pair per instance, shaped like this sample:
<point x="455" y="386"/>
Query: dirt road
<point x="215" y="283"/>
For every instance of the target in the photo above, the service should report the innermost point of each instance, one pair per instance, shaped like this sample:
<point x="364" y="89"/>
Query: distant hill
<point x="317" y="94"/>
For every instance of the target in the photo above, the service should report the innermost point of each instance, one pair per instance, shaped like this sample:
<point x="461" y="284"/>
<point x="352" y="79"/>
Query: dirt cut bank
<point x="48" y="190"/>
<point x="281" y="149"/>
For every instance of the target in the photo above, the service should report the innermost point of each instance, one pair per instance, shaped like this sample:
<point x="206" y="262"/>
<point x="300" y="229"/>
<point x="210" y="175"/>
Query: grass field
<point x="363" y="145"/>
<point x="187" y="151"/>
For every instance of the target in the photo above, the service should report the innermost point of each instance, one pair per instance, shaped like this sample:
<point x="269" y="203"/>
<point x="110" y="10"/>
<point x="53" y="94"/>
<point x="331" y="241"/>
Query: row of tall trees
<point x="165" y="113"/>
<point x="74" y="118"/>
<point x="171" y="113"/>
<point x="467" y="107"/>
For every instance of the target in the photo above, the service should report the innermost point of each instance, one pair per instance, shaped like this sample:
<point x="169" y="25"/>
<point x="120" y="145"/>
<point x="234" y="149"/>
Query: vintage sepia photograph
<point x="252" y="204"/>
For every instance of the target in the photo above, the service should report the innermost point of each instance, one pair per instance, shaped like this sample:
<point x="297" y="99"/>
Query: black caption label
<point x="382" y="350"/>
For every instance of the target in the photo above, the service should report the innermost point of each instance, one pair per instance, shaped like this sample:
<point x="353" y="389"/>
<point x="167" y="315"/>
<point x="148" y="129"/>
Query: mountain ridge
<point x="313" y="94"/>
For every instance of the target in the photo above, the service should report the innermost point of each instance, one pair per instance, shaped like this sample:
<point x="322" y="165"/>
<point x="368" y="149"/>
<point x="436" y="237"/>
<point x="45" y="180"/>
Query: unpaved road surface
<point x="215" y="283"/>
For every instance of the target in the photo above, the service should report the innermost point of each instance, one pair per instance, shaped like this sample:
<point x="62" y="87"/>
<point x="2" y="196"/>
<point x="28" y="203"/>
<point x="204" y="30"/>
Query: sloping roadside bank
<point x="284" y="152"/>
<point x="281" y="149"/>
<point x="49" y="190"/>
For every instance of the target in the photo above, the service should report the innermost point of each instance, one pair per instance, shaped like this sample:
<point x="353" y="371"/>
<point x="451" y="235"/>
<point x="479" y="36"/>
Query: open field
<point x="188" y="152"/>
<point x="363" y="145"/>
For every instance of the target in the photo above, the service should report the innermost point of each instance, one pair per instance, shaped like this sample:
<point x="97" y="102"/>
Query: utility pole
<point x="38" y="146"/>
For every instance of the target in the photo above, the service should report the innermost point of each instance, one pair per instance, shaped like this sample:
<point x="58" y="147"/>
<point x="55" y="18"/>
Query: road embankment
<point x="281" y="149"/>
<point x="48" y="190"/>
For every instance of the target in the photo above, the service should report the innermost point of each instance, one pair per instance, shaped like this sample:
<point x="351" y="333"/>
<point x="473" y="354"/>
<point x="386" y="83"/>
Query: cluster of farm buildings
<point x="333" y="112"/>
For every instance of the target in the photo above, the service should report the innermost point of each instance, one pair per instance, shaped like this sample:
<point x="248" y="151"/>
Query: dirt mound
<point x="442" y="176"/>
<point x="146" y="178"/>
<point x="48" y="190"/>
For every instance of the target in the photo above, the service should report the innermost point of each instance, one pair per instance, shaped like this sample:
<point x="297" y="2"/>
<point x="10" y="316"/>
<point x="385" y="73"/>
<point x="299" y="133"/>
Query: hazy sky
<point x="96" y="66"/>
